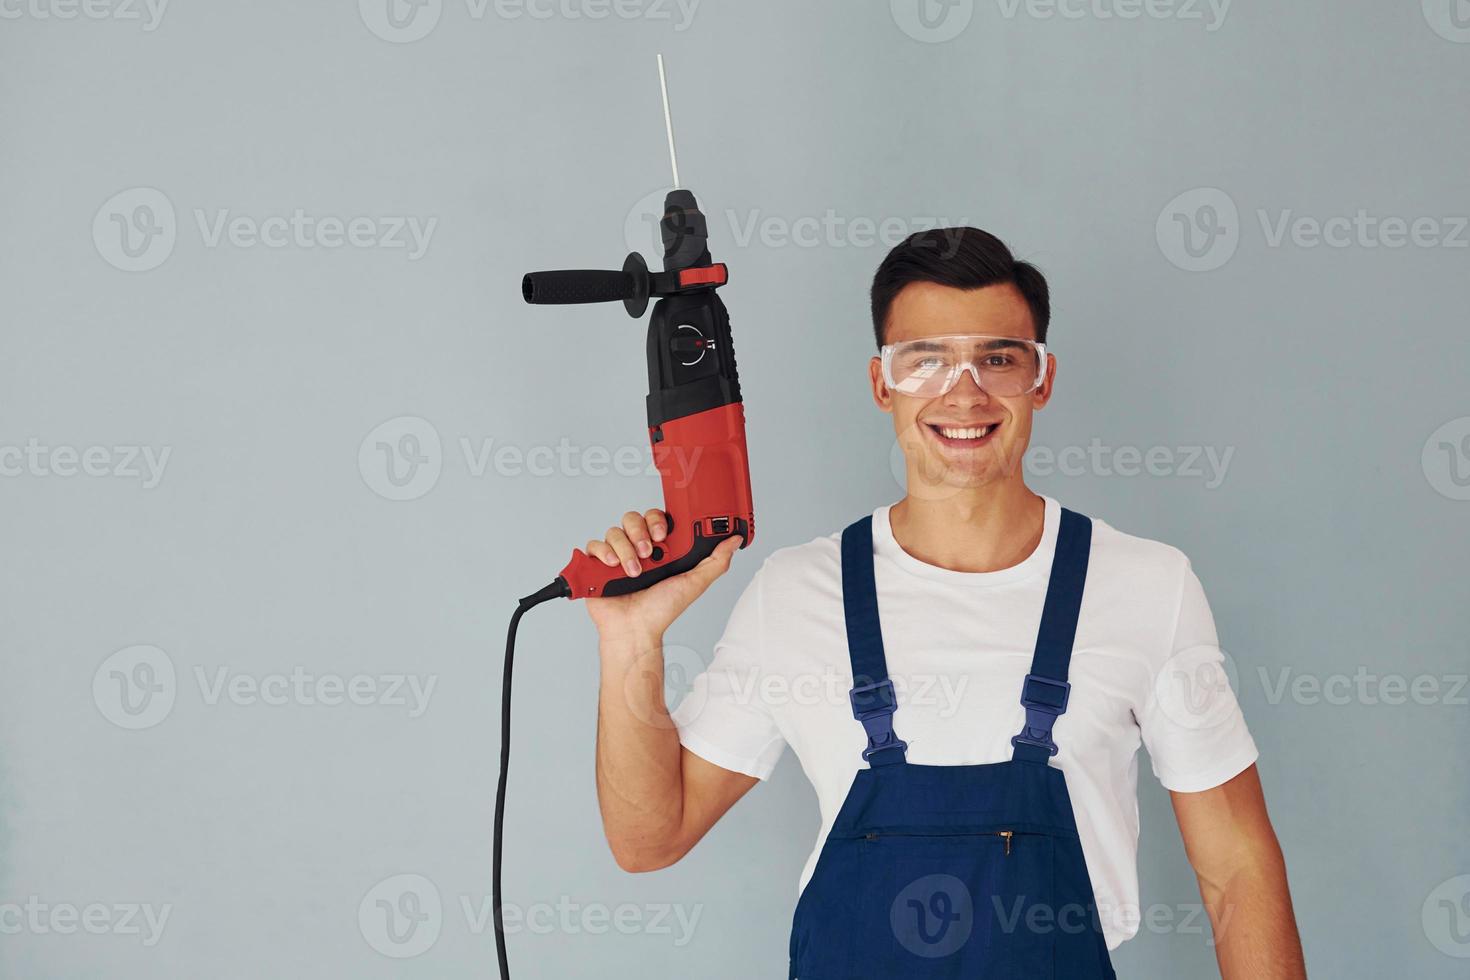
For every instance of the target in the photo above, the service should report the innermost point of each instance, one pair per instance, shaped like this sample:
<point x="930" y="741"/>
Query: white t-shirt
<point x="1145" y="668"/>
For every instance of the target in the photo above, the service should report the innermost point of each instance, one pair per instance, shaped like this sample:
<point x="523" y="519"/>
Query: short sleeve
<point x="1192" y="723"/>
<point x="724" y="719"/>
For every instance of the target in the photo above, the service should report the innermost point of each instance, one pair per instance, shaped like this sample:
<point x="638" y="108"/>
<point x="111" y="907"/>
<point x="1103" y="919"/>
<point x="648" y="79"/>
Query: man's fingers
<point x="658" y="524"/>
<point x="713" y="565"/>
<point x="618" y="539"/>
<point x="602" y="551"/>
<point x="637" y="530"/>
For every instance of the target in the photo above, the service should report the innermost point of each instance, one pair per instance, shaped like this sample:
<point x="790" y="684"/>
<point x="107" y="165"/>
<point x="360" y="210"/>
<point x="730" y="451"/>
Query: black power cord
<point x="558" y="589"/>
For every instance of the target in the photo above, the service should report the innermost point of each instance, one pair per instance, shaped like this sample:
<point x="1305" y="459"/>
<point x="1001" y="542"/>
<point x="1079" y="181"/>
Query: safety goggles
<point x="931" y="366"/>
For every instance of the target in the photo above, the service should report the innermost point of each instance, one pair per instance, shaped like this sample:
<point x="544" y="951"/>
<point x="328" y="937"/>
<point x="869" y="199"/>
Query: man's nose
<point x="967" y="389"/>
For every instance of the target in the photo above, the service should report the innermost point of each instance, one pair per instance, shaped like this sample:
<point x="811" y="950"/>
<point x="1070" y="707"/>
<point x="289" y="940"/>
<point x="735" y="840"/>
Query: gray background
<point x="1334" y="543"/>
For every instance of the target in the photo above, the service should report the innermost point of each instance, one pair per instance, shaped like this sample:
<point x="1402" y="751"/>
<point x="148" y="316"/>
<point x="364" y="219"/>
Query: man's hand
<point x="657" y="798"/>
<point x="1242" y="878"/>
<point x="649" y="613"/>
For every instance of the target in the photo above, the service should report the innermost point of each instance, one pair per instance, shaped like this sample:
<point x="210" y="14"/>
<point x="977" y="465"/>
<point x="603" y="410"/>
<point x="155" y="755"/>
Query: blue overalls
<point x="954" y="871"/>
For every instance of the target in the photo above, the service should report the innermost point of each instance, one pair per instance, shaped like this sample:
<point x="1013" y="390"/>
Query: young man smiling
<point x="991" y="831"/>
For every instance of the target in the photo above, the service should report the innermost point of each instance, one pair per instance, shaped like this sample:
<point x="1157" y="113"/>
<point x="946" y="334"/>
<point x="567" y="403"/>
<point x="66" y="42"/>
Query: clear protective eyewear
<point x="931" y="366"/>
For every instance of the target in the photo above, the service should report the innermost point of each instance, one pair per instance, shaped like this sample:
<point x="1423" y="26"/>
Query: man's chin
<point x="935" y="478"/>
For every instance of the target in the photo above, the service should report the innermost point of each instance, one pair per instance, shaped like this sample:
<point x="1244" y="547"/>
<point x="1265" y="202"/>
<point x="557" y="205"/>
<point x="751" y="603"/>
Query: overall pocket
<point x="953" y="905"/>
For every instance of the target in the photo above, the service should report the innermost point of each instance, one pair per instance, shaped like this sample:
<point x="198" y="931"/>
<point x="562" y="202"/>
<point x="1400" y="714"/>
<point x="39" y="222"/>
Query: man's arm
<point x="657" y="798"/>
<point x="1242" y="879"/>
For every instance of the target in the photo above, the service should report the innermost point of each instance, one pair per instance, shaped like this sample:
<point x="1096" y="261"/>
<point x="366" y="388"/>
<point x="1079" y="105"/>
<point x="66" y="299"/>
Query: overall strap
<point x="872" y="695"/>
<point x="1045" y="691"/>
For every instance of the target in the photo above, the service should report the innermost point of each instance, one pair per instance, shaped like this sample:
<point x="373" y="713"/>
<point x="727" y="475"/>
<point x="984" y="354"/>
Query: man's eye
<point x="999" y="360"/>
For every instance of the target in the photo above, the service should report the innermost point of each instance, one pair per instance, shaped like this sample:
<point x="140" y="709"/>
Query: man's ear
<point x="1042" y="395"/>
<point x="882" y="397"/>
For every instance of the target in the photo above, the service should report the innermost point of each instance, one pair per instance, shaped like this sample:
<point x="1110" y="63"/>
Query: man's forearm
<point x="639" y="783"/>
<point x="1255" y="928"/>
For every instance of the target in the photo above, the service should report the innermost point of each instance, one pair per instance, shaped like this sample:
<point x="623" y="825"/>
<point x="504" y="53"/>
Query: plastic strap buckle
<point x="873" y="705"/>
<point x="1044" y="699"/>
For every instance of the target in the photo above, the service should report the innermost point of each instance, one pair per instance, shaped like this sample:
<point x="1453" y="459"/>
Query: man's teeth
<point x="969" y="433"/>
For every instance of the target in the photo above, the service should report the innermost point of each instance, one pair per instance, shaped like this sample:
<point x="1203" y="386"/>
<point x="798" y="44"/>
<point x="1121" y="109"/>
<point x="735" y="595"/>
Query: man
<point x="976" y="768"/>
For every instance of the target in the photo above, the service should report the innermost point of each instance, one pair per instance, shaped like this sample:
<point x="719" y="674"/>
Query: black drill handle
<point x="577" y="286"/>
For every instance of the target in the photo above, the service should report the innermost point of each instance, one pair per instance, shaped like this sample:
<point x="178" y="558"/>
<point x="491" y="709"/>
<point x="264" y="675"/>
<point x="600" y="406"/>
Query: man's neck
<point x="982" y="529"/>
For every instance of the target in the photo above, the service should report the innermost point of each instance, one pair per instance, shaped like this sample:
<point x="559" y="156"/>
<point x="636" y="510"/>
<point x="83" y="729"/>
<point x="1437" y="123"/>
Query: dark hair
<point x="966" y="258"/>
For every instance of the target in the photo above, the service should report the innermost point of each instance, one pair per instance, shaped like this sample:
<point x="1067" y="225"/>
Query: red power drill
<point x="696" y="425"/>
<point x="696" y="421"/>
